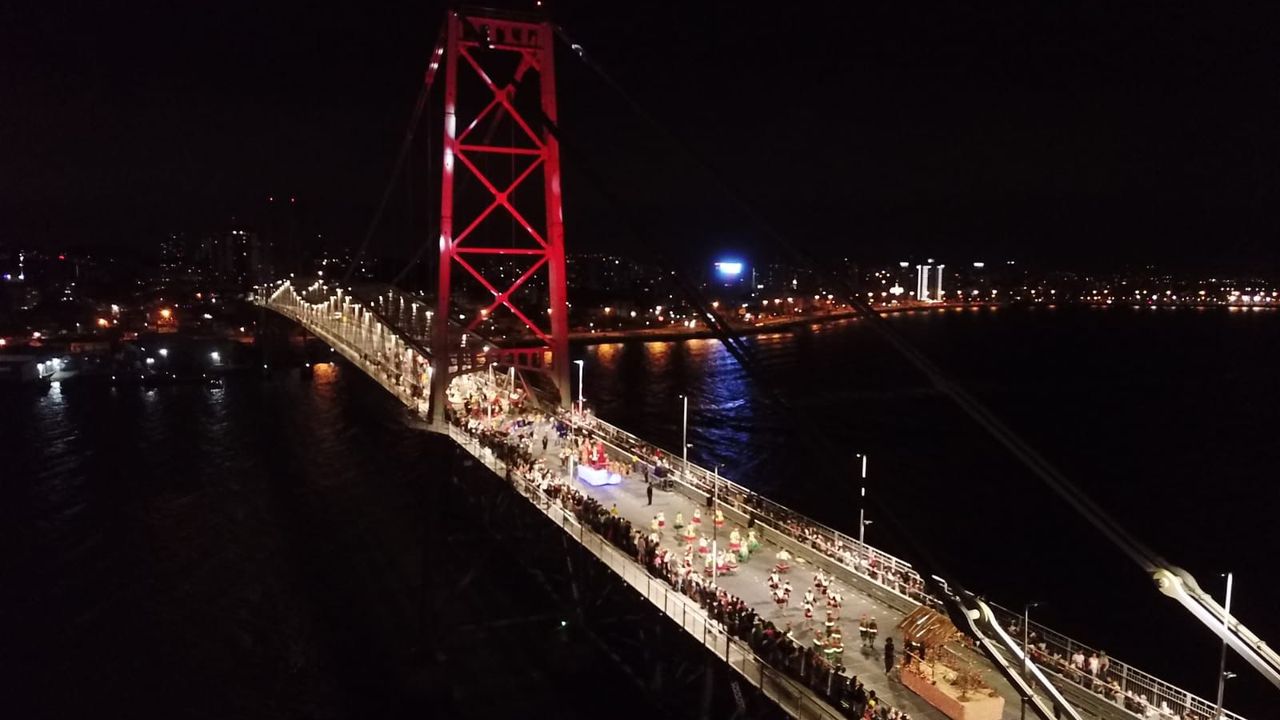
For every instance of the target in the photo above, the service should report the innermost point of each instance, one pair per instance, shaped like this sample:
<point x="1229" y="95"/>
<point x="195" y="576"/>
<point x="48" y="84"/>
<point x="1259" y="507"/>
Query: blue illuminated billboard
<point x="729" y="269"/>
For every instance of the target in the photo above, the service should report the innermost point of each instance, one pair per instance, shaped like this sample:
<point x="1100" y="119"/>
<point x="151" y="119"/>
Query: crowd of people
<point x="816" y="665"/>
<point x="512" y="440"/>
<point x="1095" y="672"/>
<point x="865" y="560"/>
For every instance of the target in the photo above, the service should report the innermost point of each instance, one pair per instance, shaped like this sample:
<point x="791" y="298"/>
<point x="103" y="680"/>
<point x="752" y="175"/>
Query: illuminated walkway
<point x="396" y="359"/>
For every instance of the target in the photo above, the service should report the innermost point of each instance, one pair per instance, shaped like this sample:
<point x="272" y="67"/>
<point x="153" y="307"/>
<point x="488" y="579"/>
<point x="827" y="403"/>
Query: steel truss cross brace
<point x="472" y="38"/>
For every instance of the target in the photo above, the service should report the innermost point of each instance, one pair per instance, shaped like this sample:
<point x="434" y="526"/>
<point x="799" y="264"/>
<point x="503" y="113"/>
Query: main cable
<point x="406" y="143"/>
<point x="1145" y="558"/>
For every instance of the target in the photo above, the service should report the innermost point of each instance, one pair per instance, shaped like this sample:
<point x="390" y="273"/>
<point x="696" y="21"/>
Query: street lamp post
<point x="1222" y="662"/>
<point x="581" y="364"/>
<point x="1026" y="659"/>
<point x="715" y="534"/>
<point x="862" y="503"/>
<point x="684" y="437"/>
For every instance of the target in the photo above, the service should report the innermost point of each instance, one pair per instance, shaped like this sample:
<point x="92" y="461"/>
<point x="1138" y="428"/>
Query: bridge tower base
<point x="504" y="65"/>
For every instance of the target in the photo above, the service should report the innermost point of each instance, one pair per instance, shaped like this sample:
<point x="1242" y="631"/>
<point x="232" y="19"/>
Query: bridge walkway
<point x="749" y="582"/>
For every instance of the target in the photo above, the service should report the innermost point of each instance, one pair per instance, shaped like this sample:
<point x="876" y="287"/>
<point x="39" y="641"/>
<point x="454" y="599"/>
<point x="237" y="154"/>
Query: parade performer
<point x="820" y="581"/>
<point x="702" y="545"/>
<point x="863" y="631"/>
<point x="690" y="535"/>
<point x="872" y="630"/>
<point x="779" y="599"/>
<point x="653" y="525"/>
<point x="679" y="524"/>
<point x="753" y="542"/>
<point x="831" y="621"/>
<point x="662" y="521"/>
<point x="784" y="559"/>
<point x="719" y="518"/>
<point x="773" y="581"/>
<point x="808" y="610"/>
<point x="735" y="541"/>
<point x="834" y="601"/>
<point x="697" y="518"/>
<point x="786" y="589"/>
<point x="808" y="596"/>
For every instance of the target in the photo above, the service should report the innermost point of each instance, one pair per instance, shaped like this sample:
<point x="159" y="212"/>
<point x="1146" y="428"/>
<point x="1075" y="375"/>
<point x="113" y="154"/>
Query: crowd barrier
<point x="898" y="575"/>
<point x="350" y="338"/>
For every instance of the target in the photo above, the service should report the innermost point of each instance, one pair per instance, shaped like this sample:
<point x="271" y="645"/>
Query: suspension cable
<point x="1040" y="467"/>
<point x="405" y="144"/>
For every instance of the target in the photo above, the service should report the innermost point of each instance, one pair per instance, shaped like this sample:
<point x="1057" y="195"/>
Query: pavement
<point x="749" y="582"/>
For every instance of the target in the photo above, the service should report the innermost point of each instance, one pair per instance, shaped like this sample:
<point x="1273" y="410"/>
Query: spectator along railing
<point x="1139" y="692"/>
<point x="792" y="697"/>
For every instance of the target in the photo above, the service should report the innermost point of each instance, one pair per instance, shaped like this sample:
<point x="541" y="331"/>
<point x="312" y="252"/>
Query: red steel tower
<point x="501" y="67"/>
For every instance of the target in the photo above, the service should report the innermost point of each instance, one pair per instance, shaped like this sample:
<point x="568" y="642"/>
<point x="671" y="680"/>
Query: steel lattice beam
<point x="473" y="38"/>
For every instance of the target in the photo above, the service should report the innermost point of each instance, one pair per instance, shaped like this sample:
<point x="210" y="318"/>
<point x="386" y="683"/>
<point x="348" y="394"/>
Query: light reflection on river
<point x="1167" y="417"/>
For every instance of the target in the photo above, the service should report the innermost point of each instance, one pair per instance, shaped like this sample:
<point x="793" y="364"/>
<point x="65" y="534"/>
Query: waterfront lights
<point x="103" y="322"/>
<point x="164" y="352"/>
<point x="166" y="313"/>
<point x="215" y="356"/>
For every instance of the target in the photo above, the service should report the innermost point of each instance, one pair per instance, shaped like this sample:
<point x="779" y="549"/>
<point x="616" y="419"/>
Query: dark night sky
<point x="1090" y="132"/>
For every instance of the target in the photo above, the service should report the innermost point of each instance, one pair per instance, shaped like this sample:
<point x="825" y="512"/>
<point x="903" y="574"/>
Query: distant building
<point x="234" y="256"/>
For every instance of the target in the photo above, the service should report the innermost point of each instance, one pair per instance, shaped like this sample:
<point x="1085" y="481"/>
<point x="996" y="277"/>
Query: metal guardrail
<point x="350" y="336"/>
<point x="898" y="575"/>
<point x="1151" y="690"/>
<point x="878" y="566"/>
<point x="792" y="697"/>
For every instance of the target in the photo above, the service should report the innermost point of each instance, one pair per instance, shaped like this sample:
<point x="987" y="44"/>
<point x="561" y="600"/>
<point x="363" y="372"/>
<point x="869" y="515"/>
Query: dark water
<point x="1168" y="418"/>
<point x="250" y="551"/>
<point x="253" y="550"/>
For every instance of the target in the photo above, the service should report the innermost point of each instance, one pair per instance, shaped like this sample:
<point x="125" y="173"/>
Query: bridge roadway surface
<point x="749" y="582"/>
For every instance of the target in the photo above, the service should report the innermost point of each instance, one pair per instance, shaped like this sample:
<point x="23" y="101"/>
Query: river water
<point x="240" y="549"/>
<point x="1169" y="419"/>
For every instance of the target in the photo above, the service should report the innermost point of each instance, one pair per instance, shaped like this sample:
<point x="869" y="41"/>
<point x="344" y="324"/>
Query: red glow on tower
<point x="483" y="50"/>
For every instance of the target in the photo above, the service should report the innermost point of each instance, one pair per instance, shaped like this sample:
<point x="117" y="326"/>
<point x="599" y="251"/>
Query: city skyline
<point x="1070" y="136"/>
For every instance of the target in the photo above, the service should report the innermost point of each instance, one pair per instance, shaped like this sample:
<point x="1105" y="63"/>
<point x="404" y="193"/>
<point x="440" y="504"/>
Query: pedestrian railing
<point x="376" y="354"/>
<point x="1139" y="688"/>
<point x="876" y="565"/>
<point x="898" y="575"/>
<point x="792" y="697"/>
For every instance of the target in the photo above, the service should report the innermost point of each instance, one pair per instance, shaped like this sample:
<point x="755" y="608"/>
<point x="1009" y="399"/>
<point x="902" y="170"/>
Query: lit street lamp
<point x="581" y="364"/>
<point x="715" y="505"/>
<point x="1026" y="659"/>
<point x="862" y="503"/>
<point x="1223" y="675"/>
<point x="684" y="437"/>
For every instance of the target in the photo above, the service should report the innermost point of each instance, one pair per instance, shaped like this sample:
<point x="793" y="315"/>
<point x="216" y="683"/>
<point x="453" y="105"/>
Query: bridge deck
<point x="380" y="355"/>
<point x="749" y="582"/>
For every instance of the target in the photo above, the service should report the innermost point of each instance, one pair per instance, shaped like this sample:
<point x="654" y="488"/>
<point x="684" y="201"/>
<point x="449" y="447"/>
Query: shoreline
<point x="670" y="334"/>
<point x="675" y="333"/>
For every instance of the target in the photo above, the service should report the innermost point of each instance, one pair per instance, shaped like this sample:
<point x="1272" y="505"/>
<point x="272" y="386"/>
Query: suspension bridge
<point x="501" y="204"/>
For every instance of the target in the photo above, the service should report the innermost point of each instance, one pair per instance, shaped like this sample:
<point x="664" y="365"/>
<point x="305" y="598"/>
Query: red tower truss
<point x="502" y="69"/>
